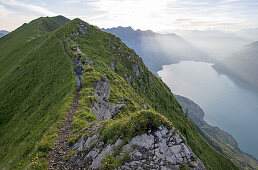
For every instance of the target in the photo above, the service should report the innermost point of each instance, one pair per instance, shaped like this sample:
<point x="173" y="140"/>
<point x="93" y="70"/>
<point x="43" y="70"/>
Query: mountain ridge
<point x="109" y="64"/>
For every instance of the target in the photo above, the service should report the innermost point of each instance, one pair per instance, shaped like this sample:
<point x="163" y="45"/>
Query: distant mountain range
<point x="217" y="138"/>
<point x="217" y="44"/>
<point x="251" y="34"/>
<point x="3" y="33"/>
<point x="157" y="49"/>
<point x="244" y="63"/>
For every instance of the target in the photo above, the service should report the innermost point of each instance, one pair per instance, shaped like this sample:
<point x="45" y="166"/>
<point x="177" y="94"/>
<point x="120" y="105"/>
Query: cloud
<point x="226" y="1"/>
<point x="72" y="1"/>
<point x="144" y="14"/>
<point x="4" y="12"/>
<point x="34" y="8"/>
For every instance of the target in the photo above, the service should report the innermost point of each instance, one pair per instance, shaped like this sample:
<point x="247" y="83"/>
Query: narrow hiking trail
<point x="57" y="156"/>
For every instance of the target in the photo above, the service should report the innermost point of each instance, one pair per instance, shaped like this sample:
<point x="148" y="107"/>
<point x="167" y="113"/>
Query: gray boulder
<point x="102" y="89"/>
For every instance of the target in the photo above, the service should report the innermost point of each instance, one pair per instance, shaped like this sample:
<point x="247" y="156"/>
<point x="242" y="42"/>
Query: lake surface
<point x="228" y="106"/>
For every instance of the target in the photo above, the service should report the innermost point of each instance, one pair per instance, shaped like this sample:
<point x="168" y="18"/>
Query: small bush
<point x="89" y="117"/>
<point x="79" y="123"/>
<point x="128" y="127"/>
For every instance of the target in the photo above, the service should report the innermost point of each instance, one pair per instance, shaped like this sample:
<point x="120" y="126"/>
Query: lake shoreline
<point x="229" y="105"/>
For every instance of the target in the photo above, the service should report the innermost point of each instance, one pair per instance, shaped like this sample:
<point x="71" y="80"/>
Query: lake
<point x="228" y="106"/>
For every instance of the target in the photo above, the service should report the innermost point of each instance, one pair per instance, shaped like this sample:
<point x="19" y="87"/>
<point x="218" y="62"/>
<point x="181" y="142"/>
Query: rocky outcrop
<point x="105" y="111"/>
<point x="158" y="149"/>
<point x="112" y="65"/>
<point x="150" y="80"/>
<point x="102" y="89"/>
<point x="136" y="70"/>
<point x="82" y="28"/>
<point x="101" y="107"/>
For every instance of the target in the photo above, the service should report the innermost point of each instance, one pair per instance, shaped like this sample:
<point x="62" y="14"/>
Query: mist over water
<point x="232" y="108"/>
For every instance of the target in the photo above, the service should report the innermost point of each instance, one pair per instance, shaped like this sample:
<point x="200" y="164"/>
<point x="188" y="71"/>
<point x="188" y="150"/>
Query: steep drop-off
<point x="217" y="138"/>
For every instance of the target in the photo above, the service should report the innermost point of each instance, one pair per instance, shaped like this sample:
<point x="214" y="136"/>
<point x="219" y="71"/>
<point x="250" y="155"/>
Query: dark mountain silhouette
<point x="3" y="33"/>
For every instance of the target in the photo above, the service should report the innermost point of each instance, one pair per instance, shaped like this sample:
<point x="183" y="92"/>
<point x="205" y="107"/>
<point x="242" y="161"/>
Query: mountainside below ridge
<point x="217" y="138"/>
<point x="157" y="49"/>
<point x="120" y="105"/>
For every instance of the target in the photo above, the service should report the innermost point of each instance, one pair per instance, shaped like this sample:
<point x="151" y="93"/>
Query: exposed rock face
<point x="102" y="89"/>
<point x="82" y="27"/>
<point x="112" y="65"/>
<point x="101" y="107"/>
<point x="160" y="149"/>
<point x="136" y="70"/>
<point x="150" y="79"/>
<point x="105" y="111"/>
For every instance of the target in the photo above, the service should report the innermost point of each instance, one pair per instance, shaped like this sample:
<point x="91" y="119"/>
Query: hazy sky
<point x="157" y="15"/>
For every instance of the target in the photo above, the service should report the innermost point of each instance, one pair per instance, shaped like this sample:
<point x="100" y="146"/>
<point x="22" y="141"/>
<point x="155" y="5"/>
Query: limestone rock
<point x="102" y="89"/>
<point x="112" y="65"/>
<point x="150" y="80"/>
<point x="101" y="107"/>
<point x="79" y="145"/>
<point x="136" y="70"/>
<point x="83" y="27"/>
<point x="159" y="149"/>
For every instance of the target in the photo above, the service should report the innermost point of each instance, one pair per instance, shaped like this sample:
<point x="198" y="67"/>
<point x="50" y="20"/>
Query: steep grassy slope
<point x="35" y="82"/>
<point x="112" y="59"/>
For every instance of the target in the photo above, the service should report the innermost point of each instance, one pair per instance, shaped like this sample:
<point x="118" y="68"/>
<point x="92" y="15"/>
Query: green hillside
<point x="35" y="83"/>
<point x="38" y="87"/>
